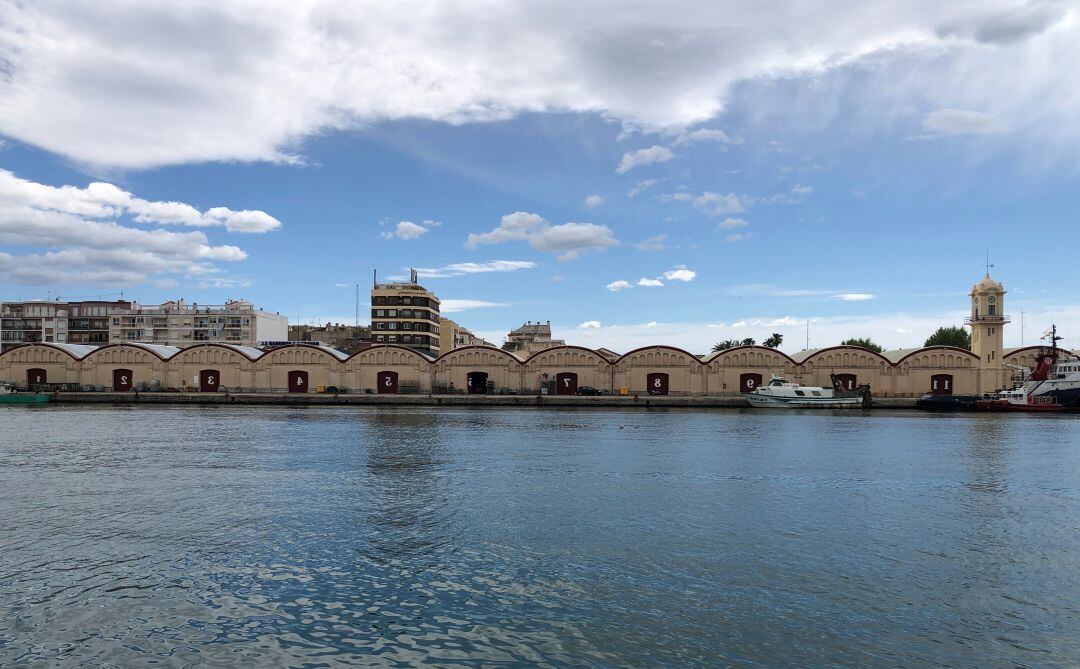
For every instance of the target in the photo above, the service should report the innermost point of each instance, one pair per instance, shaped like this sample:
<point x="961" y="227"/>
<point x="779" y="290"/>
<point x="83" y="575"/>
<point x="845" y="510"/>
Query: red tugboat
<point x="1053" y="386"/>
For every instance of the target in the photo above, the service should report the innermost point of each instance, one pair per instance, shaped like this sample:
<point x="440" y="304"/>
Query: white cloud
<point x="589" y="325"/>
<point x="452" y="306"/>
<point x="463" y="268"/>
<point x="738" y="237"/>
<point x="680" y="273"/>
<point x="649" y="156"/>
<point x="219" y="80"/>
<point x="409" y="230"/>
<point x="960" y="122"/>
<point x="593" y="201"/>
<point x="80" y="235"/>
<point x="513" y="227"/>
<point x="569" y="240"/>
<point x="732" y="223"/>
<point x="656" y="243"/>
<point x="716" y="204"/>
<point x="855" y="297"/>
<point x="641" y="187"/>
<point x="650" y="283"/>
<point x="616" y="286"/>
<point x="676" y="197"/>
<point x="704" y="135"/>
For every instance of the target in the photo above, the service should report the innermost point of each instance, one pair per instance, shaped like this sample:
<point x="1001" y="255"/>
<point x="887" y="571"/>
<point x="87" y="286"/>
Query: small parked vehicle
<point x="589" y="390"/>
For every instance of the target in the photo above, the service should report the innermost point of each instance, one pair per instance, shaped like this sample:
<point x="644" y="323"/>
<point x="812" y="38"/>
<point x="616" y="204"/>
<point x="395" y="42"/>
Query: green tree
<point x="725" y="345"/>
<point x="774" y="341"/>
<point x="749" y="341"/>
<point x="951" y="336"/>
<point x="864" y="342"/>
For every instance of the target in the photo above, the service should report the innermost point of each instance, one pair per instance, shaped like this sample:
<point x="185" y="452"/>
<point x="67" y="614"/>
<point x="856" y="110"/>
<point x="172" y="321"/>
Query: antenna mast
<point x="356" y="323"/>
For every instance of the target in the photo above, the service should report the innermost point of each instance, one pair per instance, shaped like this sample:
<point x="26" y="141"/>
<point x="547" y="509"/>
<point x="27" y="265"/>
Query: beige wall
<point x="718" y="374"/>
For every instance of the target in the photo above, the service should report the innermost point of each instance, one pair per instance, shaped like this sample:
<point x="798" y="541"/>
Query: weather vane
<point x="988" y="265"/>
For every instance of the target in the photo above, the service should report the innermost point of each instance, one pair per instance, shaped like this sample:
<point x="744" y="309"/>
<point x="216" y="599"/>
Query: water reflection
<point x="532" y="538"/>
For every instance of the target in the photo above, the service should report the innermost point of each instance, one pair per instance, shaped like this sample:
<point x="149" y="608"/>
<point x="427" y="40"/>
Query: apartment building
<point x="405" y="313"/>
<point x="530" y="338"/>
<point x="178" y="323"/>
<point x="452" y="335"/>
<point x="83" y="322"/>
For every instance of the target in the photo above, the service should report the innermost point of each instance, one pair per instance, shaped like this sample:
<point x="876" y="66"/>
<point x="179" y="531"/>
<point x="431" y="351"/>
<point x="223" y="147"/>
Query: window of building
<point x="393" y="338"/>
<point x="380" y="313"/>
<point x="380" y="326"/>
<point x="379" y="338"/>
<point x="407" y="326"/>
<point x="393" y="326"/>
<point x="993" y="309"/>
<point x="392" y="313"/>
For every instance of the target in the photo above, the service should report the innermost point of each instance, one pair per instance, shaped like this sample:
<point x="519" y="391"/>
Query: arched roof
<point x="1013" y="351"/>
<point x="491" y="349"/>
<point x="987" y="285"/>
<point x="340" y="356"/>
<point x="665" y="347"/>
<point x="764" y="349"/>
<point x="75" y="351"/>
<point x="907" y="353"/>
<point x="569" y="346"/>
<point x="247" y="352"/>
<point x="408" y="349"/>
<point x="843" y="347"/>
<point x="157" y="350"/>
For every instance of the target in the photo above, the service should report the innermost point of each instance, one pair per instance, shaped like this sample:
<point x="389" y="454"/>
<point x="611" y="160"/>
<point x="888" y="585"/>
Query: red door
<point x="121" y="380"/>
<point x="209" y="380"/>
<point x="658" y="383"/>
<point x="477" y="382"/>
<point x="298" y="381"/>
<point x="748" y="383"/>
<point x="35" y="377"/>
<point x="386" y="383"/>
<point x="847" y="381"/>
<point x="565" y="383"/>
<point x="941" y="384"/>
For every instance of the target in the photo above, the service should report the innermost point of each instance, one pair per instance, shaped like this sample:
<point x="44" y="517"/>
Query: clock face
<point x="991" y="299"/>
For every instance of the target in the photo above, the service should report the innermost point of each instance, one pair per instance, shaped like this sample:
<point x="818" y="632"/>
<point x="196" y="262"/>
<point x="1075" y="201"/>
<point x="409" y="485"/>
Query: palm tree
<point x="774" y="341"/>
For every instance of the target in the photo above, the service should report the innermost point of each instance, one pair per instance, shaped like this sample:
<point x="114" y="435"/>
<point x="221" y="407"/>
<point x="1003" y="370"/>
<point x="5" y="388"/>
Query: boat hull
<point x="767" y="402"/>
<point x="948" y="402"/>
<point x="20" y="398"/>
<point x="1005" y="405"/>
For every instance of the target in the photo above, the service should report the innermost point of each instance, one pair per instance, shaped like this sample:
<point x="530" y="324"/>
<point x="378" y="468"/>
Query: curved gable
<point x="389" y="354"/>
<point x="39" y="353"/>
<point x="210" y="354"/>
<point x="749" y="356"/>
<point x="567" y="356"/>
<point x="662" y="356"/>
<point x="938" y="356"/>
<point x="298" y="354"/>
<point x="118" y="354"/>
<point x="478" y="355"/>
<point x="846" y="356"/>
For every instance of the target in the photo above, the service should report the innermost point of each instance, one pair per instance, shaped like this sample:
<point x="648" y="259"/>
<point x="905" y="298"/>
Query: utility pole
<point x="1021" y="328"/>
<point x="808" y="334"/>
<point x="356" y="323"/>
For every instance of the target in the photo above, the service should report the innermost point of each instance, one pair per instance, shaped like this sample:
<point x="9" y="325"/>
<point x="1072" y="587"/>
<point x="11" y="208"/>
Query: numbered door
<point x="298" y="381"/>
<point x="35" y="377"/>
<point x="387" y="383"/>
<point x="121" y="380"/>
<point x="658" y="383"/>
<point x="477" y="382"/>
<point x="748" y="383"/>
<point x="941" y="384"/>
<point x="847" y="381"/>
<point x="209" y="380"/>
<point x="565" y="383"/>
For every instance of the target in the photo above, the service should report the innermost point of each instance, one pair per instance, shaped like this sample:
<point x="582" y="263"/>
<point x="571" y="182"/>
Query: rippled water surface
<point x="327" y="537"/>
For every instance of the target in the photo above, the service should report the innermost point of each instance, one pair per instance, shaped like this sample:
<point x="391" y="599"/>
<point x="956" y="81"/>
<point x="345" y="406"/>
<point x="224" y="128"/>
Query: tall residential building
<point x="84" y="322"/>
<point x="405" y="313"/>
<point x="178" y="323"/>
<point x="530" y="338"/>
<point x="452" y="335"/>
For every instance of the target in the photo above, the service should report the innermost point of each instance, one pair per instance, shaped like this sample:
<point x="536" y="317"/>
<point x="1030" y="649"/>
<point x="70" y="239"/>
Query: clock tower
<point x="987" y="323"/>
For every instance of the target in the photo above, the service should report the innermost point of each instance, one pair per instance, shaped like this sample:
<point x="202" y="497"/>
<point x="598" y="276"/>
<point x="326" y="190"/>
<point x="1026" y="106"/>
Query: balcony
<point x="988" y="320"/>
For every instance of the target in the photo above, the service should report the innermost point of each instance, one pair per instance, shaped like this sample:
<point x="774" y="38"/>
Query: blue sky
<point x="673" y="177"/>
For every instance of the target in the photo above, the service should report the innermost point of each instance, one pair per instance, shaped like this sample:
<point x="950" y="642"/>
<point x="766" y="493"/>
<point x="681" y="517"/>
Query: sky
<point x="636" y="173"/>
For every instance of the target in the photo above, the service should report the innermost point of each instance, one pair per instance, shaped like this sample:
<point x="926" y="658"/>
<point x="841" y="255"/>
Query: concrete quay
<point x="323" y="399"/>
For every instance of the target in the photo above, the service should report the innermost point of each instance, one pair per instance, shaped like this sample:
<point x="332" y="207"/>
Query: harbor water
<point x="468" y="537"/>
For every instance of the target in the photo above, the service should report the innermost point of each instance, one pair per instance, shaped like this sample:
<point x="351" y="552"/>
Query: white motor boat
<point x="781" y="393"/>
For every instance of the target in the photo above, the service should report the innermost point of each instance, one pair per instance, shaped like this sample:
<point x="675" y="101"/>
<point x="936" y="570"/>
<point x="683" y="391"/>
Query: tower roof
<point x="988" y="285"/>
